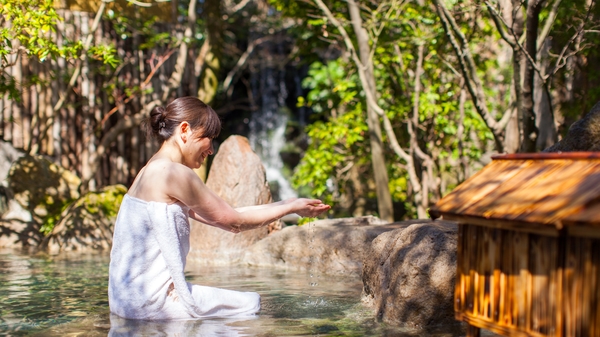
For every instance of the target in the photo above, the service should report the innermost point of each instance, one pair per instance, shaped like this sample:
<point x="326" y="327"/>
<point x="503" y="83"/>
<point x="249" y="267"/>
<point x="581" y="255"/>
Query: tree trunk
<point x="421" y="196"/>
<point x="544" y="118"/>
<point x="384" y="198"/>
<point x="514" y="128"/>
<point x="182" y="57"/>
<point x="208" y="81"/>
<point x="530" y="132"/>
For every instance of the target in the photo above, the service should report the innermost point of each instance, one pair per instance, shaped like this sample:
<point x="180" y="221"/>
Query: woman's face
<point x="197" y="149"/>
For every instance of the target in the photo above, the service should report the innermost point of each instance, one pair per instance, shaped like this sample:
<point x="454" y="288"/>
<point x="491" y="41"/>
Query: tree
<point x="367" y="79"/>
<point x="537" y="57"/>
<point x="416" y="104"/>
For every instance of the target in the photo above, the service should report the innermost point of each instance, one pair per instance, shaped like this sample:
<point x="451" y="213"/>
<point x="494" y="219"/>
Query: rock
<point x="39" y="191"/>
<point x="41" y="186"/>
<point x="409" y="274"/>
<point x="583" y="135"/>
<point x="238" y="176"/>
<point x="335" y="246"/>
<point x="87" y="224"/>
<point x="8" y="155"/>
<point x="8" y="206"/>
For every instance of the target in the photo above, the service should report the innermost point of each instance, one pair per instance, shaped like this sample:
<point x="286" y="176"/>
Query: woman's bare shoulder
<point x="157" y="179"/>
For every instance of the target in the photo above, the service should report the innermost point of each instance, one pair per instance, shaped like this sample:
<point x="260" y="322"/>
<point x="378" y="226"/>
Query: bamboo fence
<point x="71" y="135"/>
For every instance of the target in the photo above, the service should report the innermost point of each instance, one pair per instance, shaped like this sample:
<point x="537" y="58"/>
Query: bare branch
<point x="199" y="62"/>
<point x="124" y="99"/>
<point x="467" y="67"/>
<point x="559" y="61"/>
<point x="241" y="62"/>
<point x="499" y="22"/>
<point x="519" y="43"/>
<point x="414" y="122"/>
<point x="548" y="24"/>
<point x="239" y="6"/>
<point x="350" y="46"/>
<point x="125" y="123"/>
<point x="175" y="79"/>
<point x="141" y="4"/>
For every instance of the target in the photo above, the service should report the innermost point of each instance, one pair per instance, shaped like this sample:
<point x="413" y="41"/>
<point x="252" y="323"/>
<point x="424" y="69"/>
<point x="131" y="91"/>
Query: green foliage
<point x="29" y="22"/>
<point x="8" y="84"/>
<point x="55" y="209"/>
<point x="337" y="141"/>
<point x="106" y="202"/>
<point x="333" y="144"/>
<point x="329" y="87"/>
<point x="145" y="28"/>
<point x="28" y="28"/>
<point x="105" y="53"/>
<point x="306" y="220"/>
<point x="92" y="207"/>
<point x="338" y="137"/>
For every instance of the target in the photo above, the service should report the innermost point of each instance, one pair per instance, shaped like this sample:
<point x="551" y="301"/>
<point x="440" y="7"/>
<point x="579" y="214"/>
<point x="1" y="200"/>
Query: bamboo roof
<point x="534" y="192"/>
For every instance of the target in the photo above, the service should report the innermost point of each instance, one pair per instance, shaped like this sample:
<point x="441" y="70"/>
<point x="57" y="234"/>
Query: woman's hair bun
<point x="156" y="122"/>
<point x="158" y="111"/>
<point x="163" y="121"/>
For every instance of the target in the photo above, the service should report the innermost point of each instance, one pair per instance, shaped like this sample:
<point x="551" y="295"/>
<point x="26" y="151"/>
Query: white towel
<point x="146" y="273"/>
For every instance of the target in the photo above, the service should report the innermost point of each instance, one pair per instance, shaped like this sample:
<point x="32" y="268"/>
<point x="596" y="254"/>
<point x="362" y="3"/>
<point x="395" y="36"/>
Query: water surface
<point x="66" y="295"/>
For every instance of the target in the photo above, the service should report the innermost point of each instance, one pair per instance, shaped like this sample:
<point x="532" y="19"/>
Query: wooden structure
<point x="528" y="261"/>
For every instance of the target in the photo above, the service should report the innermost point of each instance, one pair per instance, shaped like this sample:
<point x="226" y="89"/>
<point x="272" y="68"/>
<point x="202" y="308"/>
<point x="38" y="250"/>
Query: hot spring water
<point x="67" y="296"/>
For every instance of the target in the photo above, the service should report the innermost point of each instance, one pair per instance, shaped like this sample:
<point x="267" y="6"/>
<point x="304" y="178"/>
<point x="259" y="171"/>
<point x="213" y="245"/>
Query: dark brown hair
<point x="162" y="121"/>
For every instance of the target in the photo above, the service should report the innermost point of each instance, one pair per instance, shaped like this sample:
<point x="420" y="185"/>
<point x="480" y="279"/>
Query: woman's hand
<point x="308" y="207"/>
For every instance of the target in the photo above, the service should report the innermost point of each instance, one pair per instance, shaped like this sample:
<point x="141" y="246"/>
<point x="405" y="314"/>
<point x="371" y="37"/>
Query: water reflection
<point x="121" y="327"/>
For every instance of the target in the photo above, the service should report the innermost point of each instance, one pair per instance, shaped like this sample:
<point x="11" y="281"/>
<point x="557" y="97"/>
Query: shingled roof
<point x="539" y="192"/>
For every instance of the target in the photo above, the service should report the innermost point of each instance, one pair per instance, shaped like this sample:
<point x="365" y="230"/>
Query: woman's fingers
<point x="313" y="208"/>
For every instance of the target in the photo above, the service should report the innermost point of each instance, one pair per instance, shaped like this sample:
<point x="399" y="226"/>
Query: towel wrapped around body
<point x="146" y="273"/>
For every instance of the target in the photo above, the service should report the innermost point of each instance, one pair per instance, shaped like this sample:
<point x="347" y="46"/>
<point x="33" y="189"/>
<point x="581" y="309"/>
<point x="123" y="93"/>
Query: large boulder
<point x="38" y="191"/>
<point x="333" y="246"/>
<point x="8" y="155"/>
<point x="409" y="274"/>
<point x="87" y="224"/>
<point x="238" y="176"/>
<point x="583" y="135"/>
<point x="8" y="206"/>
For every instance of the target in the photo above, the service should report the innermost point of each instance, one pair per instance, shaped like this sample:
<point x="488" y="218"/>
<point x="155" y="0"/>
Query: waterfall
<point x="267" y="127"/>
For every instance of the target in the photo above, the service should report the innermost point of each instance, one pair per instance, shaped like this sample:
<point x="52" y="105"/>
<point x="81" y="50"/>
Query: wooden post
<point x="473" y="331"/>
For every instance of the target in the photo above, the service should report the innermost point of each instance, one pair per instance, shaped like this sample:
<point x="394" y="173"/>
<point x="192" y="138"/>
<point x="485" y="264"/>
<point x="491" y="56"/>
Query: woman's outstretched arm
<point x="207" y="207"/>
<point x="263" y="206"/>
<point x="252" y="214"/>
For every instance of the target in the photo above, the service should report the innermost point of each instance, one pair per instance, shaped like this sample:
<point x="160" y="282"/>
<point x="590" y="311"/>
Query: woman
<point x="151" y="234"/>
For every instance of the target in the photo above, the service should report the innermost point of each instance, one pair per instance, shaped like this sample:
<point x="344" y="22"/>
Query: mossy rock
<point x="35" y="193"/>
<point x="42" y="187"/>
<point x="87" y="224"/>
